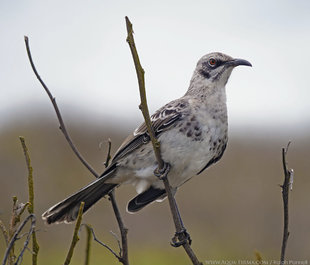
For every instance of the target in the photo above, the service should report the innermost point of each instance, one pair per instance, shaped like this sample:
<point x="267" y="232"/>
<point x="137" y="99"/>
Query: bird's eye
<point x="212" y="62"/>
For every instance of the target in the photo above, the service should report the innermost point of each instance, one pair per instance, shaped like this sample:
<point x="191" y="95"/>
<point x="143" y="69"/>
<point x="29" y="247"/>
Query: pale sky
<point x="80" y="50"/>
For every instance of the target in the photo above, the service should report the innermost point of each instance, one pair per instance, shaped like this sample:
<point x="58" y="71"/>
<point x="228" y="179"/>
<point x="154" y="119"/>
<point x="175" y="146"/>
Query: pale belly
<point x="191" y="155"/>
<point x="187" y="151"/>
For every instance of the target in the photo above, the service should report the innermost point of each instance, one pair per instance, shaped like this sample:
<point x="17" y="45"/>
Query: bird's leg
<point x="181" y="237"/>
<point x="177" y="242"/>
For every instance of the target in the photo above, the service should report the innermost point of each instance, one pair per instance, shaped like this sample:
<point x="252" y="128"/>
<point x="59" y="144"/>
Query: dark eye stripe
<point x="219" y="63"/>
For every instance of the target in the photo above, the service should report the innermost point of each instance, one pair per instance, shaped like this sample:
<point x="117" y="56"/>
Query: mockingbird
<point x="192" y="131"/>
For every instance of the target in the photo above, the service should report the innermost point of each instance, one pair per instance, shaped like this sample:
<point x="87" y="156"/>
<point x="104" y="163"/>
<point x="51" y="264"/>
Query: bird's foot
<point x="162" y="173"/>
<point x="181" y="238"/>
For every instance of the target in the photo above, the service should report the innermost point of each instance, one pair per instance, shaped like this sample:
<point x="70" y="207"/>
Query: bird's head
<point x="215" y="68"/>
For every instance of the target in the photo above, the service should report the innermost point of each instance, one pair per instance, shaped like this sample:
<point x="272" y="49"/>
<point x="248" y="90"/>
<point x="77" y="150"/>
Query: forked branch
<point x="15" y="238"/>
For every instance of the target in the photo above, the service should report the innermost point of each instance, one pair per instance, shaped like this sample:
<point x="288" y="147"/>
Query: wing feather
<point x="161" y="121"/>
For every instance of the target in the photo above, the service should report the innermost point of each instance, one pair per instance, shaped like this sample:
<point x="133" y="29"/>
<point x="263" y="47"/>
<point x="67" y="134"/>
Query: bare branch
<point x="123" y="248"/>
<point x="88" y="244"/>
<point x="35" y="245"/>
<point x="143" y="105"/>
<point x="15" y="237"/>
<point x="75" y="237"/>
<point x="30" y="177"/>
<point x="287" y="184"/>
<point x="68" y="138"/>
<point x="118" y="242"/>
<point x="123" y="230"/>
<point x="104" y="245"/>
<point x="17" y="211"/>
<point x="61" y="122"/>
<point x="163" y="168"/>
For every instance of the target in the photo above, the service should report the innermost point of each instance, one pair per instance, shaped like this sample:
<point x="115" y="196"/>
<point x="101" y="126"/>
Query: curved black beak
<point x="237" y="62"/>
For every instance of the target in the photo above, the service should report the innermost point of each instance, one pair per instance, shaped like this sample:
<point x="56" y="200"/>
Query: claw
<point x="177" y="242"/>
<point x="163" y="172"/>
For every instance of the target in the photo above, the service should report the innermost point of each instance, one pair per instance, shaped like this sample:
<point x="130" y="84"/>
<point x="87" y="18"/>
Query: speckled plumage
<point x="192" y="131"/>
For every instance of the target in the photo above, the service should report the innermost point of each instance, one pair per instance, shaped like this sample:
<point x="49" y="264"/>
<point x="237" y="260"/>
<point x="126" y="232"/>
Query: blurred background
<point x="80" y="51"/>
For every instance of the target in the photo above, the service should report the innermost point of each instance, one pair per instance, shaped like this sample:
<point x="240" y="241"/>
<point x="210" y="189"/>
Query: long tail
<point x="67" y="210"/>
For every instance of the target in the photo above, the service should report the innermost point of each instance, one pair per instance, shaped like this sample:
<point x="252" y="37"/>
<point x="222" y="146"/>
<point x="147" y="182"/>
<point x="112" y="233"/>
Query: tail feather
<point x="145" y="198"/>
<point x="67" y="210"/>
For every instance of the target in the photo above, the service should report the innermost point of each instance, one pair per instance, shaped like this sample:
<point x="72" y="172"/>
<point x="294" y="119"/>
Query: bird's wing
<point x="161" y="121"/>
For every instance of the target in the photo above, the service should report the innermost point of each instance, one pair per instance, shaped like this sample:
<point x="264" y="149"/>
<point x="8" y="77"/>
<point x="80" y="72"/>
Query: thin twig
<point x="62" y="126"/>
<point x="122" y="228"/>
<point x="107" y="161"/>
<point x="88" y="244"/>
<point x="35" y="245"/>
<point x="104" y="245"/>
<point x="17" y="211"/>
<point x="285" y="192"/>
<point x="68" y="138"/>
<point x="143" y="105"/>
<point x="118" y="242"/>
<point x="75" y="237"/>
<point x="31" y="231"/>
<point x="15" y="237"/>
<point x="180" y="231"/>
<point x="123" y="247"/>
